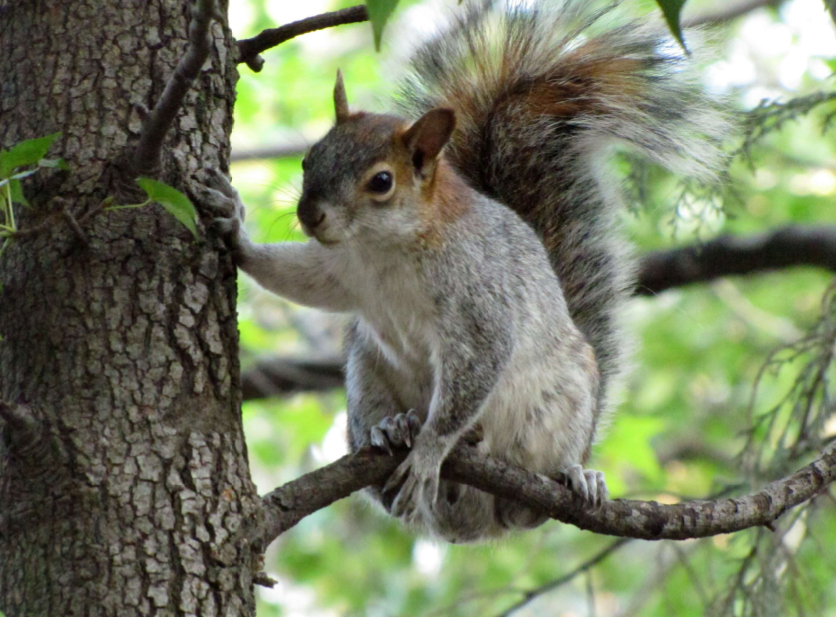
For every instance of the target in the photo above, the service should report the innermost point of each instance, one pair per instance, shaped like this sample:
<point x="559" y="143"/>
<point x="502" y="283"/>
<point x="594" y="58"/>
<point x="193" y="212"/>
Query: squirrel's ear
<point x="426" y="138"/>
<point x="340" y="99"/>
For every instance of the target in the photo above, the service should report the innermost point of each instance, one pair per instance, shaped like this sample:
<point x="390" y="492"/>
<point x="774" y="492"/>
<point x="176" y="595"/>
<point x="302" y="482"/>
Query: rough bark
<point x="123" y="468"/>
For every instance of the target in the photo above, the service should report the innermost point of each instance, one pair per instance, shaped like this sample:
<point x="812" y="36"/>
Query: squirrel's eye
<point x="381" y="182"/>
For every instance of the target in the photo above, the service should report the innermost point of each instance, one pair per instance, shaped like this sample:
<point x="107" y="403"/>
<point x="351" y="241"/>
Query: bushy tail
<point x="543" y="91"/>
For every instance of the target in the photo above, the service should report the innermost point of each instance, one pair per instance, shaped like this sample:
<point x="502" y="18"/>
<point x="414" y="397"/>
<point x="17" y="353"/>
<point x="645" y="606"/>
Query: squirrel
<point x="473" y="238"/>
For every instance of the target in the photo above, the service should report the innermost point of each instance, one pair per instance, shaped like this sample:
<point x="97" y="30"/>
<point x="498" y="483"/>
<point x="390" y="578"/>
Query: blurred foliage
<point x="685" y="428"/>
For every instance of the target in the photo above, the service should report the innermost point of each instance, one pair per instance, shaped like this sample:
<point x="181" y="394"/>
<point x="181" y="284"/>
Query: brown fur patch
<point x="399" y="159"/>
<point x="578" y="91"/>
<point x="444" y="198"/>
<point x="594" y="68"/>
<point x="443" y="195"/>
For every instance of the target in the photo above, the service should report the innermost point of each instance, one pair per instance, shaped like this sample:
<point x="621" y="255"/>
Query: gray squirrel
<point x="473" y="238"/>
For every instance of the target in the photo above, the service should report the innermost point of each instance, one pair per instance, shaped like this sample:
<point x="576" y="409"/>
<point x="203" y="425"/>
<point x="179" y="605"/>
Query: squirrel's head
<point x="370" y="176"/>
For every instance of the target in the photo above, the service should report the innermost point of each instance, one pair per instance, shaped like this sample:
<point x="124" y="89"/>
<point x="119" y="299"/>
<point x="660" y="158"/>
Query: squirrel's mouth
<point x="327" y="241"/>
<point x="320" y="235"/>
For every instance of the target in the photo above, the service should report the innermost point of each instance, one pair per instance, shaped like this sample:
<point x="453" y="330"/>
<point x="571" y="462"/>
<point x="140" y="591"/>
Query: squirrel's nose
<point x="309" y="215"/>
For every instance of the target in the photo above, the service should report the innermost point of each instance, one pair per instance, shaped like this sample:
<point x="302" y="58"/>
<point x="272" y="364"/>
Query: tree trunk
<point x="124" y="477"/>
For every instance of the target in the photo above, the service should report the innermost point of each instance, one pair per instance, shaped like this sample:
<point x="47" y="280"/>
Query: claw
<point x="397" y="431"/>
<point x="379" y="440"/>
<point x="414" y="422"/>
<point x="402" y="426"/>
<point x="603" y="491"/>
<point x="587" y="483"/>
<point x="577" y="481"/>
<point x="592" y="485"/>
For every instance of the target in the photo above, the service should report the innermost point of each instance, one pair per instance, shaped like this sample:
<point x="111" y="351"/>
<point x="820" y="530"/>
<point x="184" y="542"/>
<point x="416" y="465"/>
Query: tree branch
<point x="157" y="122"/>
<point x="270" y="152"/>
<point x="249" y="49"/>
<point x="647" y="520"/>
<point x="728" y="256"/>
<point x="283" y="376"/>
<point x="728" y="12"/>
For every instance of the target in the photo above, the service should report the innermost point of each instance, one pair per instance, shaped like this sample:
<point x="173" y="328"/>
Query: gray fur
<point x="503" y="332"/>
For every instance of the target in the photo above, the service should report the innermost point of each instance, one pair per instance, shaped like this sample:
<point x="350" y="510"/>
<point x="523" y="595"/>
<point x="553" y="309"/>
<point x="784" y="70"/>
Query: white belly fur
<point x="532" y="421"/>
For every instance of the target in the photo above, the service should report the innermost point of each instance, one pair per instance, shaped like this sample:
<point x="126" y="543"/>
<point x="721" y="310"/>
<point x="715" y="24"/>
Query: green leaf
<point x="17" y="193"/>
<point x="27" y="152"/>
<point x="379" y="12"/>
<point x="175" y="202"/>
<point x="671" y="10"/>
<point x="54" y="163"/>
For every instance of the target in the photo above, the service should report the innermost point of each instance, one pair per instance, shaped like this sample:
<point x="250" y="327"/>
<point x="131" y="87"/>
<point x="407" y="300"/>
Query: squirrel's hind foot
<point x="396" y="432"/>
<point x="588" y="484"/>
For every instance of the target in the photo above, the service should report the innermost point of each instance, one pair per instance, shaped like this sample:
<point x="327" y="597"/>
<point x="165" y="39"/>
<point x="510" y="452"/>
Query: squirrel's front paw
<point x="416" y="482"/>
<point x="587" y="483"/>
<point x="396" y="432"/>
<point x="216" y="195"/>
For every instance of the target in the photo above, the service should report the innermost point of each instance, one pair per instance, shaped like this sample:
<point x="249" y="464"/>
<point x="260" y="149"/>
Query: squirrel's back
<point x="542" y="93"/>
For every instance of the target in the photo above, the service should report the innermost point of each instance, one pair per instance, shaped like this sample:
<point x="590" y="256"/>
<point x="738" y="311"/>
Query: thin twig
<point x="653" y="582"/>
<point x="728" y="12"/>
<point x="770" y="116"/>
<point x="696" y="583"/>
<point x="35" y="229"/>
<point x="92" y="212"/>
<point x="63" y="212"/>
<point x="74" y="225"/>
<point x="159" y="120"/>
<point x="264" y="581"/>
<point x="280" y="151"/>
<point x="739" y="579"/>
<point x="551" y="585"/>
<point x="249" y="49"/>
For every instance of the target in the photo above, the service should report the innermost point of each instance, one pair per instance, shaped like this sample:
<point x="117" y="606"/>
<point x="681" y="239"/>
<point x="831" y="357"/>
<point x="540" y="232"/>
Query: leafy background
<point x="686" y="413"/>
